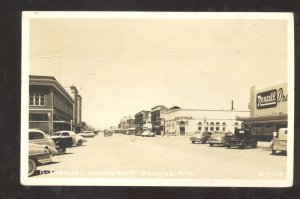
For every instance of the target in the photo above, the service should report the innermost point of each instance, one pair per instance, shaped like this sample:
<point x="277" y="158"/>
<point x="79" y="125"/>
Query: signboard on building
<point x="269" y="101"/>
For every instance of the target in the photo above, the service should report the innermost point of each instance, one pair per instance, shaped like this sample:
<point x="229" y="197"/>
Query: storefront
<point x="268" y="111"/>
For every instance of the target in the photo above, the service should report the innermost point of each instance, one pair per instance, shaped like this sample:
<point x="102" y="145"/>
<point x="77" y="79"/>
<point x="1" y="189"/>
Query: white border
<point x="25" y="180"/>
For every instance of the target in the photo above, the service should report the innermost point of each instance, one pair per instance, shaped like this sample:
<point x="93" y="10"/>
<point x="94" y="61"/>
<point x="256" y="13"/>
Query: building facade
<point x="156" y="120"/>
<point x="126" y="123"/>
<point x="50" y="105"/>
<point x="187" y="121"/>
<point x="142" y="120"/>
<point x="268" y="111"/>
<point x="77" y="109"/>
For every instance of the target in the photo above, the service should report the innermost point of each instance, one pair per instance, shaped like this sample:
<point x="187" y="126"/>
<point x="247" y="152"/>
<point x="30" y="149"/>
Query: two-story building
<point x="142" y="120"/>
<point x="127" y="122"/>
<point x="156" y="120"/>
<point x="51" y="107"/>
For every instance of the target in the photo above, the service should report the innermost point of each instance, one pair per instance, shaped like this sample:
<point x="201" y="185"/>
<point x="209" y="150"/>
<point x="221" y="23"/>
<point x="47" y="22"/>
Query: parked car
<point x="279" y="142"/>
<point x="108" y="133"/>
<point x="148" y="133"/>
<point x="87" y="134"/>
<point x="219" y="138"/>
<point x="76" y="139"/>
<point x="39" y="137"/>
<point x="62" y="140"/>
<point x="38" y="154"/>
<point x="200" y="137"/>
<point x="242" y="138"/>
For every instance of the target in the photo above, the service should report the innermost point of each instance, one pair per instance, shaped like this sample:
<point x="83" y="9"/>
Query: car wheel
<point x="228" y="146"/>
<point x="193" y="142"/>
<point x="31" y="167"/>
<point x="211" y="144"/>
<point x="79" y="143"/>
<point x="61" y="151"/>
<point x="203" y="141"/>
<point x="255" y="145"/>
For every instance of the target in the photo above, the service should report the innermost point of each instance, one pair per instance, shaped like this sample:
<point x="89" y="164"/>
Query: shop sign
<point x="186" y="117"/>
<point x="270" y="98"/>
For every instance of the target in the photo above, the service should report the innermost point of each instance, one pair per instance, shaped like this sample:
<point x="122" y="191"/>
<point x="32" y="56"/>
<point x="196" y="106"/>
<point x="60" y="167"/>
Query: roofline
<point x="50" y="80"/>
<point x="141" y="112"/>
<point x="159" y="106"/>
<point x="173" y="110"/>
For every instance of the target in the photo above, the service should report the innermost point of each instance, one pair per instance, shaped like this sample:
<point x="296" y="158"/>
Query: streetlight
<point x="49" y="122"/>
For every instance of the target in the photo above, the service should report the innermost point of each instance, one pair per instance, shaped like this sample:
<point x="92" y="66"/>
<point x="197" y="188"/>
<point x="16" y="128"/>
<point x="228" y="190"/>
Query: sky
<point x="124" y="66"/>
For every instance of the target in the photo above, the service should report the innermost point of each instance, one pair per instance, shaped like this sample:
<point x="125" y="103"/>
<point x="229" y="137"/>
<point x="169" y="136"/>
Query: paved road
<point x="167" y="157"/>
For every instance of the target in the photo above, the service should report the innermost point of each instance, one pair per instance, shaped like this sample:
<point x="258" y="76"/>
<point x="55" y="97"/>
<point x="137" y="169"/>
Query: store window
<point x="38" y="117"/>
<point x="212" y="126"/>
<point x="37" y="99"/>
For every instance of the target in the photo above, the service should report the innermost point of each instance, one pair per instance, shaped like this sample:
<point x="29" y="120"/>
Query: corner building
<point x="187" y="121"/>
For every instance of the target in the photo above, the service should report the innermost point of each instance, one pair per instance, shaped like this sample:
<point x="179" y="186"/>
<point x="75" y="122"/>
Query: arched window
<point x="199" y="126"/>
<point x="217" y="126"/>
<point x="236" y="125"/>
<point x="224" y="126"/>
<point x="212" y="126"/>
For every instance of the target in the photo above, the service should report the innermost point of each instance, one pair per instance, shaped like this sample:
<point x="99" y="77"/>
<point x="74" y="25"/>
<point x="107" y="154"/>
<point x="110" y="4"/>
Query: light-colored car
<point x="38" y="154"/>
<point x="39" y="137"/>
<point x="200" y="137"/>
<point x="87" y="134"/>
<point x="279" y="142"/>
<point x="148" y="133"/>
<point x="76" y="138"/>
<point x="219" y="138"/>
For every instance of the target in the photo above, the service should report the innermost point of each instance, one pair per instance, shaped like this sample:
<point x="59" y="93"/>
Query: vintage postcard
<point x="157" y="99"/>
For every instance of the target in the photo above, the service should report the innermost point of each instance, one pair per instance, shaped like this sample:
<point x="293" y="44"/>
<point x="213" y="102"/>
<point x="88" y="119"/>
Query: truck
<point x="279" y="142"/>
<point x="242" y="138"/>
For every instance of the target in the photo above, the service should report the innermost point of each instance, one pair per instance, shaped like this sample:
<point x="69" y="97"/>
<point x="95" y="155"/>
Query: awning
<point x="264" y="119"/>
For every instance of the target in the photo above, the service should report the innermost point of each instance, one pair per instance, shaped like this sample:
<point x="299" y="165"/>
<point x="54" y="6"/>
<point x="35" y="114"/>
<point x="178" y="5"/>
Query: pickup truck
<point x="62" y="141"/>
<point x="279" y="142"/>
<point x="242" y="138"/>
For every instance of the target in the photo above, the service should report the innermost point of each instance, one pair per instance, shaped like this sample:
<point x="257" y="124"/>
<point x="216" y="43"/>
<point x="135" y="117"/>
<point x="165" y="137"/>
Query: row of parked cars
<point x="143" y="133"/>
<point x="43" y="147"/>
<point x="241" y="138"/>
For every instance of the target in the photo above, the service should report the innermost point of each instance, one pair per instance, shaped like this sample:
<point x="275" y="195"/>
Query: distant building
<point x="156" y="120"/>
<point x="179" y="121"/>
<point x="50" y="105"/>
<point x="126" y="123"/>
<point x="142" y="120"/>
<point x="268" y="111"/>
<point x="77" y="109"/>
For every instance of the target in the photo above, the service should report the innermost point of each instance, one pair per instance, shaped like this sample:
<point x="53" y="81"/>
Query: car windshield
<point x="57" y="133"/>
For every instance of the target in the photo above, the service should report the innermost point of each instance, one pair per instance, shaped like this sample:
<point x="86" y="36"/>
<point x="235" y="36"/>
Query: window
<point x="36" y="99"/>
<point x="224" y="126"/>
<point x="236" y="125"/>
<point x="206" y="128"/>
<point x="38" y="117"/>
<point x="65" y="134"/>
<point x="35" y="135"/>
<point x="217" y="126"/>
<point x="199" y="126"/>
<point x="212" y="126"/>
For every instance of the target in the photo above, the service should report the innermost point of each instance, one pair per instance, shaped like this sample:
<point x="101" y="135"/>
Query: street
<point x="118" y="156"/>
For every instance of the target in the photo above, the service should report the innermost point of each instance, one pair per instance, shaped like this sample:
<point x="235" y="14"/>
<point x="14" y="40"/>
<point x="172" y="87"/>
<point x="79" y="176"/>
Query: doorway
<point x="182" y="128"/>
